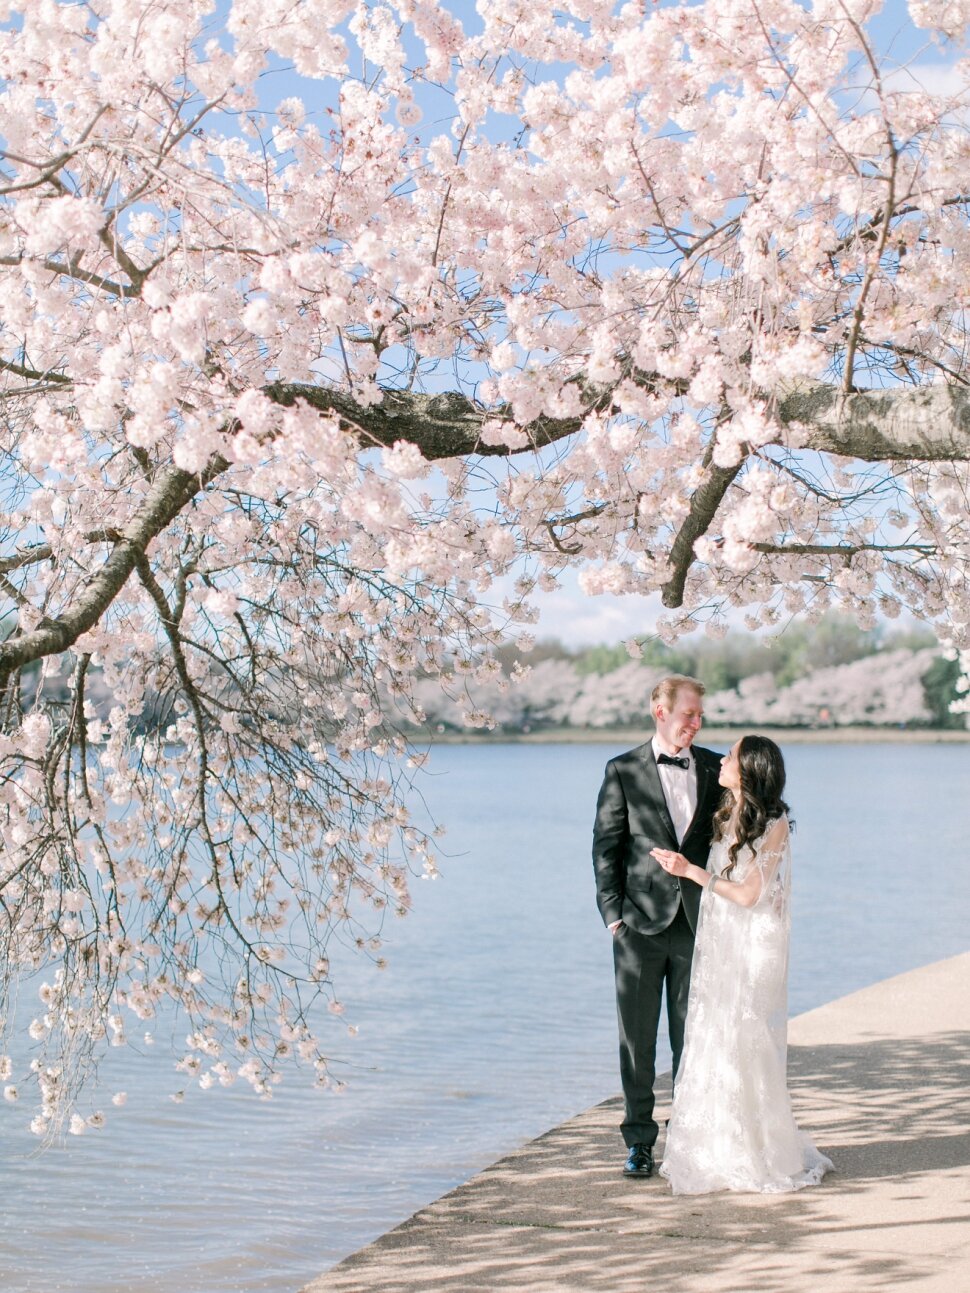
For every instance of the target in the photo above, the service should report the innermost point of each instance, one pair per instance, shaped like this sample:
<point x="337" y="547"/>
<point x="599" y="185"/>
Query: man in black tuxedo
<point x="661" y="795"/>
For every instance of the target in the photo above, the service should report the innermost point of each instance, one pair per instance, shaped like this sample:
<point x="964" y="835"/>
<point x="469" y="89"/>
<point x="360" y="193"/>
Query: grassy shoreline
<point x="628" y="736"/>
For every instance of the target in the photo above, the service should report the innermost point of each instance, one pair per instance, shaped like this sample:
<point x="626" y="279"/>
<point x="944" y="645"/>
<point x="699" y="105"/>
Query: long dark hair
<point x="762" y="771"/>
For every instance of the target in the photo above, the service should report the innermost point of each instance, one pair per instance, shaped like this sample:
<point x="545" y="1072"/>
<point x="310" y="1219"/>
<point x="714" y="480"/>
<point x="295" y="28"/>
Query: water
<point x="493" y="1022"/>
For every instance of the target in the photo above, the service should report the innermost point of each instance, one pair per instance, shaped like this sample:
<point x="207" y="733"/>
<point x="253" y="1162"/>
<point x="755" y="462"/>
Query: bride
<point x="731" y="1126"/>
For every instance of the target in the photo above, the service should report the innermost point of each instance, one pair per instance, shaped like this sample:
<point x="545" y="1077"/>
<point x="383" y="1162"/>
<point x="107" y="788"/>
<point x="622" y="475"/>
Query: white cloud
<point x="577" y="620"/>
<point x="945" y="79"/>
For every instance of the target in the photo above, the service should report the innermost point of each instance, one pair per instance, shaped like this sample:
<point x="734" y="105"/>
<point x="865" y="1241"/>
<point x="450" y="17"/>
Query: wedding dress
<point x="731" y="1126"/>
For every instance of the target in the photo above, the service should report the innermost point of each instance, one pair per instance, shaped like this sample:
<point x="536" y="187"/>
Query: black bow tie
<point x="669" y="758"/>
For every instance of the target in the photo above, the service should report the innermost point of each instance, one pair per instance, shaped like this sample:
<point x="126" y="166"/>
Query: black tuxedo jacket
<point x="631" y="819"/>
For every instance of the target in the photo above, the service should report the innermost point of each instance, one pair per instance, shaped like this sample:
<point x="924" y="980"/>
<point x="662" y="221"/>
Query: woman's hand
<point x="672" y="863"/>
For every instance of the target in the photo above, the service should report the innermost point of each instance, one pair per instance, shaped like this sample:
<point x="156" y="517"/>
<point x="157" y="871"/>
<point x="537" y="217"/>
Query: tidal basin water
<point x="493" y="1021"/>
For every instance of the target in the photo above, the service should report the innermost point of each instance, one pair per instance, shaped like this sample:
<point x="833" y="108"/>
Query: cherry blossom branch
<point x="49" y="168"/>
<point x="570" y="549"/>
<point x="13" y="592"/>
<point x="72" y="269"/>
<point x="858" y="313"/>
<point x="926" y="424"/>
<point x="909" y="352"/>
<point x="166" y="499"/>
<point x="441" y="426"/>
<point x="199" y="718"/>
<point x="816" y="490"/>
<point x="34" y="374"/>
<point x="26" y="557"/>
<point x="866" y="417"/>
<point x="703" y="508"/>
<point x="869" y="231"/>
<point x="847" y="550"/>
<point x="930" y="424"/>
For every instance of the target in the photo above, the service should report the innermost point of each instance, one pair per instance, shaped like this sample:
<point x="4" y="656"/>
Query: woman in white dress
<point x="731" y="1126"/>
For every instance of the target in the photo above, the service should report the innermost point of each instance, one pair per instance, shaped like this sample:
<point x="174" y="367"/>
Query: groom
<point x="660" y="795"/>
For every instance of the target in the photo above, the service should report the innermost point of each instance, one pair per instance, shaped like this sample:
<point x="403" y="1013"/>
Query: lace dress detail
<point x="732" y="1126"/>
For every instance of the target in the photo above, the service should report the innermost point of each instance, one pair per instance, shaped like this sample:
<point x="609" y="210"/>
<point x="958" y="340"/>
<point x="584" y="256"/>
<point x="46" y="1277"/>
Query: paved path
<point x="881" y="1079"/>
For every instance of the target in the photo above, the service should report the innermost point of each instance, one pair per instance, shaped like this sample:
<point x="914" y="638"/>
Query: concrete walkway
<point x="881" y="1079"/>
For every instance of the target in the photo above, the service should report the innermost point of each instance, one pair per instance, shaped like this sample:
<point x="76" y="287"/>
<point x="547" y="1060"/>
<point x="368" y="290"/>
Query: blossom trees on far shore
<point x="333" y="330"/>
<point x="885" y="689"/>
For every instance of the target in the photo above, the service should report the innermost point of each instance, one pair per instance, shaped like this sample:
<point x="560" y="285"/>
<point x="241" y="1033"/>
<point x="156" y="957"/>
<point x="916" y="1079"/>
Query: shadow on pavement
<point x="558" y="1216"/>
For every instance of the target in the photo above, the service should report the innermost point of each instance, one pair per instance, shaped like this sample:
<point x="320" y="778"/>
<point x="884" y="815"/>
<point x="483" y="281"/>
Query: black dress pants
<point x="645" y="965"/>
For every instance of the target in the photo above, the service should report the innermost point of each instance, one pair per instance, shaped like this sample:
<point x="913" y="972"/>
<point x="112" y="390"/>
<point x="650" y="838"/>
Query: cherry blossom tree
<point x="333" y="330"/>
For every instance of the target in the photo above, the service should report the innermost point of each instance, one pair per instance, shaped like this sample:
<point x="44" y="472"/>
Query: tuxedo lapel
<point x="654" y="792"/>
<point x="705" y="788"/>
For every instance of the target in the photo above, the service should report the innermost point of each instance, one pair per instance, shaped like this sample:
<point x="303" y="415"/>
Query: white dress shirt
<point x="680" y="791"/>
<point x="679" y="787"/>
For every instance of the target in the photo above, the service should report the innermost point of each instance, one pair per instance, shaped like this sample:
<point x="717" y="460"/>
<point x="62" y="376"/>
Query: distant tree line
<point x="802" y="649"/>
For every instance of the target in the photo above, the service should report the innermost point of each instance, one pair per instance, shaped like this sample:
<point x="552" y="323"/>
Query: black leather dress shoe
<point x="639" y="1161"/>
